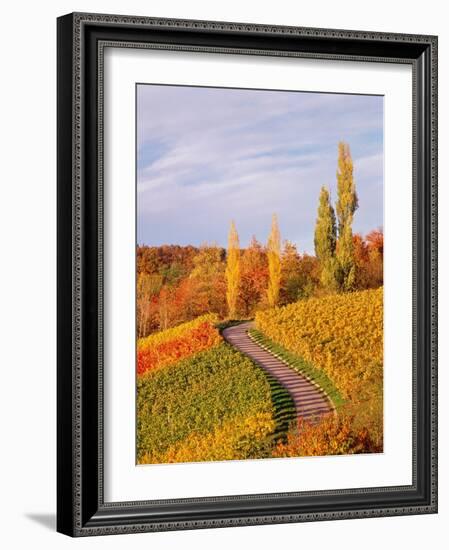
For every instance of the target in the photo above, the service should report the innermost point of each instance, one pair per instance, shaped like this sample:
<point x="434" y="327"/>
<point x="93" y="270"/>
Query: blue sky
<point x="206" y="156"/>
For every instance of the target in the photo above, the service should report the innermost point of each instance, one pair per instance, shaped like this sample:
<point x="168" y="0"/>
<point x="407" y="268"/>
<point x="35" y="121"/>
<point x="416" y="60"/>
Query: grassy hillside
<point x="169" y="346"/>
<point x="342" y="335"/>
<point x="215" y="405"/>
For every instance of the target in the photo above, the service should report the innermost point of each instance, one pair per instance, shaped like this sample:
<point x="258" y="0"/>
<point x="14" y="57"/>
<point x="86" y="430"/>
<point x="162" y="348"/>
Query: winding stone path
<point x="309" y="401"/>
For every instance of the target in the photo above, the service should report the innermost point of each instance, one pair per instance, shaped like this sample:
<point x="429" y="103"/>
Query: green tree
<point x="208" y="280"/>
<point x="300" y="274"/>
<point x="347" y="204"/>
<point x="291" y="276"/>
<point x="274" y="263"/>
<point x="208" y="262"/>
<point x="325" y="240"/>
<point x="232" y="272"/>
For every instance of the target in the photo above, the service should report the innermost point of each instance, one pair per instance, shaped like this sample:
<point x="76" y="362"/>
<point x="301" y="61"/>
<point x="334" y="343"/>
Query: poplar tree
<point x="232" y="272"/>
<point x="325" y="240"/>
<point x="347" y="203"/>
<point x="274" y="263"/>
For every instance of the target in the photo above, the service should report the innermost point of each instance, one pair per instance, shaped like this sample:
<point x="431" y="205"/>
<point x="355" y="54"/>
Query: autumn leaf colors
<point x="200" y="399"/>
<point x="341" y="335"/>
<point x="331" y="332"/>
<point x="233" y="271"/>
<point x="167" y="347"/>
<point x="215" y="405"/>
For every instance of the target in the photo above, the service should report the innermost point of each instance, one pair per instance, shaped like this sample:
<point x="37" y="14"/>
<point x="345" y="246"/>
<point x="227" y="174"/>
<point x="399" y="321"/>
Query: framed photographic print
<point x="247" y="288"/>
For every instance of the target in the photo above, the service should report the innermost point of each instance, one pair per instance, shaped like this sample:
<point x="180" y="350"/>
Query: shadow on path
<point x="307" y="399"/>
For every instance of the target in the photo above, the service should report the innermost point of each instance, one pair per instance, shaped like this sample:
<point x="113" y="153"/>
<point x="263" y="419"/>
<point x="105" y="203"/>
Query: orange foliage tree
<point x="253" y="277"/>
<point x="368" y="254"/>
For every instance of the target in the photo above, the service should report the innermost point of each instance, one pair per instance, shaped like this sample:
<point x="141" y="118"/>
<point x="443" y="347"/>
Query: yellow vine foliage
<point x="174" y="333"/>
<point x="342" y="334"/>
<point x="170" y="346"/>
<point x="236" y="439"/>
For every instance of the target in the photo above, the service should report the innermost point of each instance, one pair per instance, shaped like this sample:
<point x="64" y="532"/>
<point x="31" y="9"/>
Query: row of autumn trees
<point x="178" y="283"/>
<point x="273" y="263"/>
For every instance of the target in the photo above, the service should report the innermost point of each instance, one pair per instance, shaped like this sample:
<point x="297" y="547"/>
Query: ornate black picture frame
<point x="81" y="510"/>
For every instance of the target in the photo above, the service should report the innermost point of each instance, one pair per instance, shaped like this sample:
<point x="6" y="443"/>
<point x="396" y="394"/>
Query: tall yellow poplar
<point x="325" y="240"/>
<point x="233" y="271"/>
<point x="347" y="201"/>
<point x="347" y="204"/>
<point x="274" y="263"/>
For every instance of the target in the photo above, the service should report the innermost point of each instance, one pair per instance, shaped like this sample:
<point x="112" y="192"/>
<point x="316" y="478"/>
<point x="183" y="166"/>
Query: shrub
<point x="331" y="436"/>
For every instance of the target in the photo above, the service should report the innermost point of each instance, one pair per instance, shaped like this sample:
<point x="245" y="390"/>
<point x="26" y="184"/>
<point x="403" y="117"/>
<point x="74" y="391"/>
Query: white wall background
<point x="28" y="267"/>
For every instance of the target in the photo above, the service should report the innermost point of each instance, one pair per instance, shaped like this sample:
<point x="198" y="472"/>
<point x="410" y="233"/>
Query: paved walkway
<point x="308" y="400"/>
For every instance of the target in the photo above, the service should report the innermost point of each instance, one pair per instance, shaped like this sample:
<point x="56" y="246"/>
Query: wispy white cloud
<point x="208" y="155"/>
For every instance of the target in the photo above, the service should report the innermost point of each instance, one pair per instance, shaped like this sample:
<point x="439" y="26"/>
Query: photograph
<point x="259" y="273"/>
<point x="247" y="273"/>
